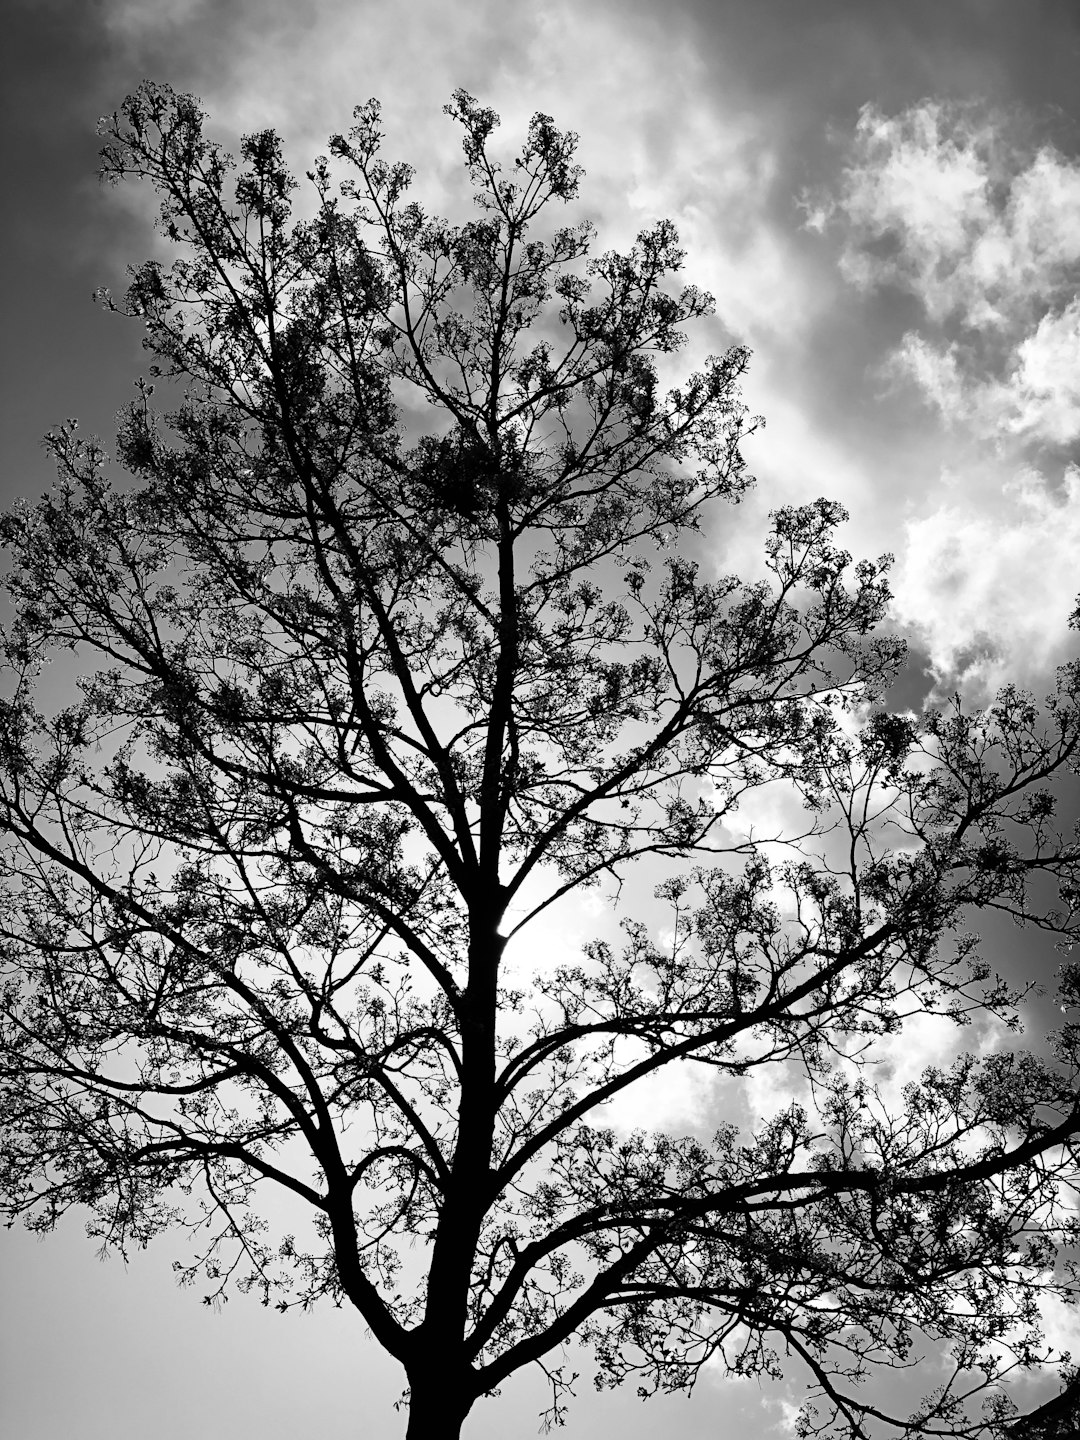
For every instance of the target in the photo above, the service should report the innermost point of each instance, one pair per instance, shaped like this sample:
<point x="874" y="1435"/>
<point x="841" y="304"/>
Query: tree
<point x="391" y="640"/>
<point x="1054" y="1420"/>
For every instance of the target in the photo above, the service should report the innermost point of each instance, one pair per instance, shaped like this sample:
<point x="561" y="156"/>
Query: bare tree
<point x="391" y="640"/>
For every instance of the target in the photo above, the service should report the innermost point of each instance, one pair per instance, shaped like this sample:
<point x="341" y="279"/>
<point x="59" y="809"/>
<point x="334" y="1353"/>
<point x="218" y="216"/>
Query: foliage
<point x="393" y="639"/>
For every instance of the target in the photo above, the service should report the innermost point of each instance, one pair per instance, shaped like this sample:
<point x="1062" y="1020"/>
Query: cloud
<point x="946" y="203"/>
<point x="943" y="202"/>
<point x="938" y="372"/>
<point x="1061" y="1327"/>
<point x="987" y="592"/>
<point x="1035" y="403"/>
<point x="1044" y="394"/>
<point x="914" y="200"/>
<point x="927" y="1040"/>
<point x="129" y="21"/>
<point x="678" y="1098"/>
<point x="957" y="207"/>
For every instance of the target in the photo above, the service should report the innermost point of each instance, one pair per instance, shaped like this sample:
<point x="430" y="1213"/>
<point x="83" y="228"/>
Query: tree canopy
<point x="398" y="631"/>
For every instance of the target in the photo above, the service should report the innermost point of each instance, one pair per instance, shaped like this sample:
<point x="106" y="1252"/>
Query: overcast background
<point x="885" y="199"/>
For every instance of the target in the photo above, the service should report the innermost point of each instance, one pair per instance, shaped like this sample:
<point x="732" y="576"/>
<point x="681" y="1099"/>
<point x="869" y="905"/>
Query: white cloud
<point x="940" y="201"/>
<point x="943" y="202"/>
<point x="924" y="1040"/>
<point x="1037" y="402"/>
<point x="788" y="1423"/>
<point x="982" y="228"/>
<point x="938" y="373"/>
<point x="915" y="198"/>
<point x="771" y="1089"/>
<point x="1061" y="1325"/>
<point x="987" y="591"/>
<point x="1045" y="385"/>
<point x="677" y="1098"/>
<point x="1034" y="242"/>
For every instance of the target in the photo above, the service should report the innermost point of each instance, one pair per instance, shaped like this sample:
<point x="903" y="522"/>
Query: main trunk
<point x="440" y="1393"/>
<point x="435" y="1412"/>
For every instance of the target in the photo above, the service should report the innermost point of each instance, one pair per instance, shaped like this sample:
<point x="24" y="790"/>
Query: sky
<point x="885" y="200"/>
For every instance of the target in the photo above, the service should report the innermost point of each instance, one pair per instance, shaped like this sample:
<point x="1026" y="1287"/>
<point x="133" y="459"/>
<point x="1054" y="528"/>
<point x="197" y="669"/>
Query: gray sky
<point x="885" y="199"/>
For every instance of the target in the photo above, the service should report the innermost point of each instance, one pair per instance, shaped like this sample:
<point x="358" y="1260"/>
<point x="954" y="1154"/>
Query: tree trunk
<point x="435" y="1411"/>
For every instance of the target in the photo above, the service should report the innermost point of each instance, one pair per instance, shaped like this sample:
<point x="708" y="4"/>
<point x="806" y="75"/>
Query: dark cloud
<point x="822" y="59"/>
<point x="60" y="354"/>
<point x="62" y="65"/>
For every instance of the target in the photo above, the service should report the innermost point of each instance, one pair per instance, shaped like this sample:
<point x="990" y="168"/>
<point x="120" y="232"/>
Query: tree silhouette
<point x="392" y="639"/>
<point x="1057" y="1419"/>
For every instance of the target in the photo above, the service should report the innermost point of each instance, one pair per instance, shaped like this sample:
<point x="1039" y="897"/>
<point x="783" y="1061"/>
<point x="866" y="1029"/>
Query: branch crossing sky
<point x="885" y="200"/>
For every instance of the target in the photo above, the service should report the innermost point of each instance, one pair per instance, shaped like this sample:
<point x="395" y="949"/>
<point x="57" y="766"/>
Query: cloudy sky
<point x="885" y="199"/>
